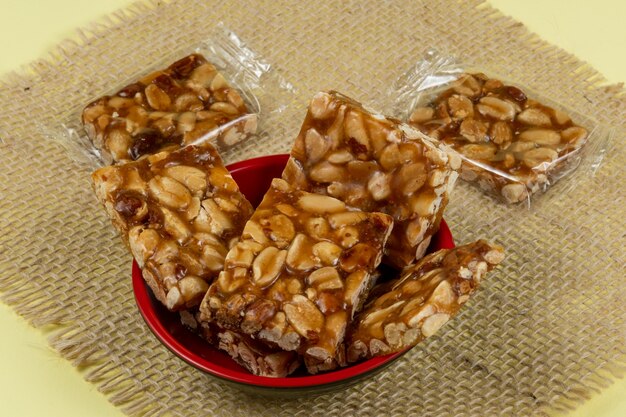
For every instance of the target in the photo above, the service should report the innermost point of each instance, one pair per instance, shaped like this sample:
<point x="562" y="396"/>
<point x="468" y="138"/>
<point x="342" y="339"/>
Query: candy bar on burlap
<point x="179" y="213"/>
<point x="512" y="145"/>
<point x="187" y="102"/>
<point x="301" y="270"/>
<point x="375" y="164"/>
<point x="425" y="297"/>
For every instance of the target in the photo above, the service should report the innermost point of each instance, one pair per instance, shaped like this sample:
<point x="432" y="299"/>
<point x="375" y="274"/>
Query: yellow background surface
<point x="36" y="381"/>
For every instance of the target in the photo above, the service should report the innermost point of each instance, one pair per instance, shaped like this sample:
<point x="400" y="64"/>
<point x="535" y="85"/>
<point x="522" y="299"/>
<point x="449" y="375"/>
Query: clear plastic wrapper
<point x="513" y="141"/>
<point x="215" y="92"/>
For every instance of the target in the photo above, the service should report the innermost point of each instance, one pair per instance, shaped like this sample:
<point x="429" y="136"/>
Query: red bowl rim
<point x="280" y="158"/>
<point x="151" y="317"/>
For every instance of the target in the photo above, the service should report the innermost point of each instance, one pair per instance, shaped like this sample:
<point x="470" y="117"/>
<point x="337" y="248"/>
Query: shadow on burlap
<point x="546" y="331"/>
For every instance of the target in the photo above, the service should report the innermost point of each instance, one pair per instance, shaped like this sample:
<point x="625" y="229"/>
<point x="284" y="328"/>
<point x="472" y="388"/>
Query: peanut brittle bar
<point x="375" y="164"/>
<point x="301" y="270"/>
<point x="512" y="145"/>
<point x="257" y="357"/>
<point x="186" y="102"/>
<point x="179" y="213"/>
<point x="421" y="301"/>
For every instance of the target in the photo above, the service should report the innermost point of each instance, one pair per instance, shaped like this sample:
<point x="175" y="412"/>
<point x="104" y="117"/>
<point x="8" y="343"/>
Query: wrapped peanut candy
<point x="512" y="145"/>
<point x="256" y="356"/>
<point x="377" y="164"/>
<point x="187" y="102"/>
<point x="416" y="305"/>
<point x="179" y="212"/>
<point x="301" y="270"/>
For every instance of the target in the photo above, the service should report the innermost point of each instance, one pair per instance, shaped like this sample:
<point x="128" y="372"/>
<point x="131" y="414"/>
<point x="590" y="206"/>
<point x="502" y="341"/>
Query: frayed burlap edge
<point x="77" y="346"/>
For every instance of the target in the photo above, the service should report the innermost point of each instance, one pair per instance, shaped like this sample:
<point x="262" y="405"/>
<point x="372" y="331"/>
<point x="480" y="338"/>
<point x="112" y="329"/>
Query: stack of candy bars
<point x="296" y="281"/>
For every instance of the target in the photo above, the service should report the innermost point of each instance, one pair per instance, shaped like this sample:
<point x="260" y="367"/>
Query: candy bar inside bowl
<point x="425" y="297"/>
<point x="375" y="164"/>
<point x="511" y="144"/>
<point x="301" y="270"/>
<point x="185" y="103"/>
<point x="179" y="212"/>
<point x="257" y="357"/>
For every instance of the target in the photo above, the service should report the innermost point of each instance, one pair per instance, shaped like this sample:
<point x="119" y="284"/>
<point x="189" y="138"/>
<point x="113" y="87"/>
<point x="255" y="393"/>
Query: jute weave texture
<point x="548" y="328"/>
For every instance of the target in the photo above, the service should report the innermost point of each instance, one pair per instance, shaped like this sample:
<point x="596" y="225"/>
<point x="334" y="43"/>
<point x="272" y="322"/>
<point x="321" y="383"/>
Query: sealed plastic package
<point x="190" y="100"/>
<point x="215" y="92"/>
<point x="513" y="142"/>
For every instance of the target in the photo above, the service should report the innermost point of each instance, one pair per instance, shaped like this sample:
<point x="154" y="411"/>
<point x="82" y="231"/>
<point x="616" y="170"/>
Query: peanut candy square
<point x="178" y="212"/>
<point x="301" y="270"/>
<point x="185" y="103"/>
<point x="377" y="164"/>
<point x="512" y="146"/>
<point x="257" y="357"/>
<point x="413" y="307"/>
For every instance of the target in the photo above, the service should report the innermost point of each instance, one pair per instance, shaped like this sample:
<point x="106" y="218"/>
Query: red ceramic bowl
<point x="254" y="177"/>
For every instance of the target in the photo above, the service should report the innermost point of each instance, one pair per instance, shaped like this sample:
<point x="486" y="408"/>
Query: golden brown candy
<point x="187" y="102"/>
<point x="425" y="297"/>
<point x="302" y="268"/>
<point x="178" y="212"/>
<point x="512" y="146"/>
<point x="375" y="164"/>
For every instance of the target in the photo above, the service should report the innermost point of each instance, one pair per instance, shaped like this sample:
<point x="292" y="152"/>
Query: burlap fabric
<point x="546" y="331"/>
